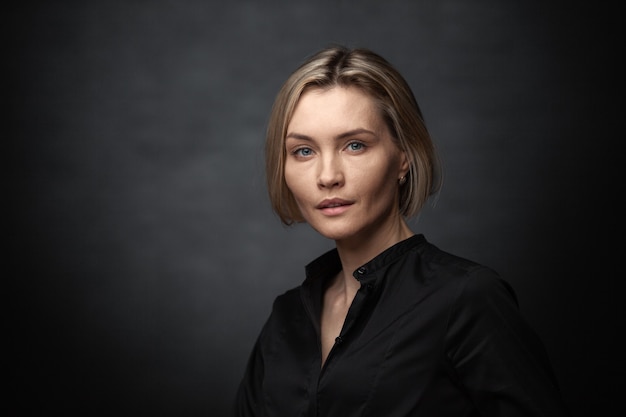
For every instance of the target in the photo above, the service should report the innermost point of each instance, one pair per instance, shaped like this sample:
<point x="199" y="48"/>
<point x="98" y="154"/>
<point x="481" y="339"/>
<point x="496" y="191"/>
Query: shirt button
<point x="361" y="271"/>
<point x="338" y="340"/>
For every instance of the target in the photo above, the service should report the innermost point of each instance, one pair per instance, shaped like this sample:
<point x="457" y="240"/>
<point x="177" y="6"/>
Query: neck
<point x="357" y="251"/>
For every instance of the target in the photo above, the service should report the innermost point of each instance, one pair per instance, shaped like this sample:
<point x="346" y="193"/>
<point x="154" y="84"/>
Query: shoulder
<point x="437" y="264"/>
<point x="286" y="310"/>
<point x="439" y="261"/>
<point x="468" y="284"/>
<point x="479" y="298"/>
<point x="287" y="300"/>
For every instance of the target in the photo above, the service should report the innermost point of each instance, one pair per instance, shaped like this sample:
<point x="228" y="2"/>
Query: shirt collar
<point x="328" y="265"/>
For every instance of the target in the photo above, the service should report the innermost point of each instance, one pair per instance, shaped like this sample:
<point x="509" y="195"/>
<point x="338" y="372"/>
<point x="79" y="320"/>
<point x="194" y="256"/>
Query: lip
<point x="334" y="206"/>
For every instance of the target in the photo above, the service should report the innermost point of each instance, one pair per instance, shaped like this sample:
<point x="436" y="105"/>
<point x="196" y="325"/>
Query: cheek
<point x="378" y="177"/>
<point x="376" y="188"/>
<point x="295" y="182"/>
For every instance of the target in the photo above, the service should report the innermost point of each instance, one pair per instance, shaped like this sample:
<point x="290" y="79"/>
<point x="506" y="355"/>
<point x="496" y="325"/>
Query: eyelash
<point x="298" y="151"/>
<point x="360" y="144"/>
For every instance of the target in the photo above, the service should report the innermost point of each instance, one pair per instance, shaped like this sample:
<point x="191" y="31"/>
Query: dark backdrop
<point x="143" y="255"/>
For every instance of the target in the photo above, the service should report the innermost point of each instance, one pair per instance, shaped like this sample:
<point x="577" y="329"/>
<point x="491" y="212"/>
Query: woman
<point x="386" y="324"/>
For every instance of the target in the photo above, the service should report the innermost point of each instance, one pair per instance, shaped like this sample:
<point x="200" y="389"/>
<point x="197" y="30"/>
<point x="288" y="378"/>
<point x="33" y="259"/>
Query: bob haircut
<point x="368" y="71"/>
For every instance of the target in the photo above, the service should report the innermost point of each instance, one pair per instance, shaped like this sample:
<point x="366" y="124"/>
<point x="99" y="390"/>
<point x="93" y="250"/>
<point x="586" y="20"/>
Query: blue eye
<point x="303" y="152"/>
<point x="355" y="146"/>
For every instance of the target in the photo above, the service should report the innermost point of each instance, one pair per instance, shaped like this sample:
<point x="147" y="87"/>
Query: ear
<point x="405" y="165"/>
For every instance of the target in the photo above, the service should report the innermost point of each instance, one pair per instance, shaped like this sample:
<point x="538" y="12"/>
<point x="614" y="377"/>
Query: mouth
<point x="334" y="206"/>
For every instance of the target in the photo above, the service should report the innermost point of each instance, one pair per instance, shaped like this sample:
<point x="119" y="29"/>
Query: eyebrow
<point x="343" y="135"/>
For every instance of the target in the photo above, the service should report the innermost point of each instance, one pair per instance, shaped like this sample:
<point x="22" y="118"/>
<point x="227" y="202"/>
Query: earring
<point x="402" y="180"/>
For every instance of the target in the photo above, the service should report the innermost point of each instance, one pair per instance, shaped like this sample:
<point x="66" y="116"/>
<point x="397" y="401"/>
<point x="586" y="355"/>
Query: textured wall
<point x="145" y="254"/>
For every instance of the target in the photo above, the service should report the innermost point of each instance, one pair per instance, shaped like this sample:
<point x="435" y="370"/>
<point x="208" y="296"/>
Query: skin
<point x="343" y="168"/>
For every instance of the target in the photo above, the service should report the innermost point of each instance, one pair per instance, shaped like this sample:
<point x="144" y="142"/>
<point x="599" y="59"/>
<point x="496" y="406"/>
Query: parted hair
<point x="368" y="71"/>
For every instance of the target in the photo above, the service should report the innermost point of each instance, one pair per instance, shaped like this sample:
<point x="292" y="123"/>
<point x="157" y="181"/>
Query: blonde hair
<point x="364" y="69"/>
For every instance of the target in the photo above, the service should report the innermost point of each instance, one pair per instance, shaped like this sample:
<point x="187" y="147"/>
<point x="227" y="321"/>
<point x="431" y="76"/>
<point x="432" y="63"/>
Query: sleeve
<point x="498" y="359"/>
<point x="248" y="400"/>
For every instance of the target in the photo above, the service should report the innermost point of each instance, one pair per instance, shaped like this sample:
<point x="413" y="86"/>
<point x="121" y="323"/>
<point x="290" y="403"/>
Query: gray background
<point x="143" y="255"/>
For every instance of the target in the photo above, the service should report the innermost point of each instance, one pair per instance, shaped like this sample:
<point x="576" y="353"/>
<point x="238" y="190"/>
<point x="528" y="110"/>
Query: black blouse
<point x="428" y="334"/>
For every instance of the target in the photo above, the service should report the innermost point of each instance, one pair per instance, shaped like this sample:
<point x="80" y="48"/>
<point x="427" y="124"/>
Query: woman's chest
<point x="385" y="361"/>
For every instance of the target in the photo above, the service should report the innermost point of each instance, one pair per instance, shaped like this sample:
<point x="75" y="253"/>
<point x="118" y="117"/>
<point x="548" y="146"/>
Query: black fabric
<point x="428" y="334"/>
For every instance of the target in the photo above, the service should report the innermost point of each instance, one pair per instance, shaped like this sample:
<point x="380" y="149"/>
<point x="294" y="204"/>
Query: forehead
<point x="335" y="108"/>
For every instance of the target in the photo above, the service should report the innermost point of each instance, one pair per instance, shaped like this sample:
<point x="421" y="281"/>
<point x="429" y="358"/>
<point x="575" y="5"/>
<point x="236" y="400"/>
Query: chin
<point x="337" y="228"/>
<point x="334" y="232"/>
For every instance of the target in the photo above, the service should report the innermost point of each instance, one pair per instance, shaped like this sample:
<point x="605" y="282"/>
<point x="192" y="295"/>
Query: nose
<point x="330" y="172"/>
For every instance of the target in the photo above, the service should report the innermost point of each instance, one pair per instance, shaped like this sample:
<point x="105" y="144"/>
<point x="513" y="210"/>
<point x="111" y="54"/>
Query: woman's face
<point x="342" y="164"/>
